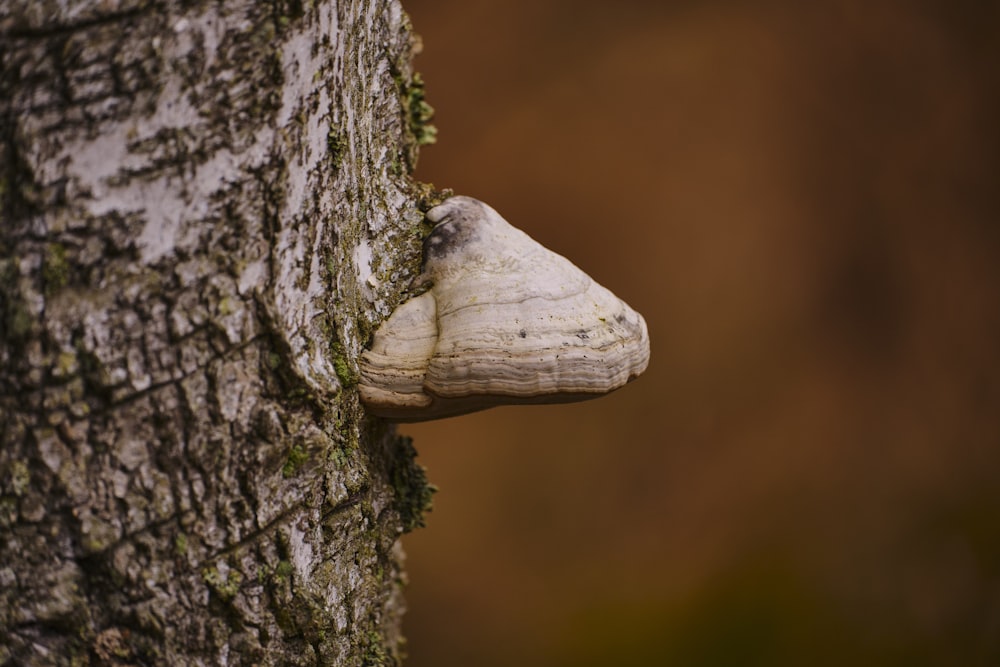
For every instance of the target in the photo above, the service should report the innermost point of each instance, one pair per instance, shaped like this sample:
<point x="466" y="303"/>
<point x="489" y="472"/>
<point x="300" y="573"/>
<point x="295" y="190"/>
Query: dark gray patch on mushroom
<point x="450" y="236"/>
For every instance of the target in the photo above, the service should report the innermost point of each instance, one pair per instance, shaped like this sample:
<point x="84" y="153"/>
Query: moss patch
<point x="55" y="268"/>
<point x="347" y="376"/>
<point x="419" y="112"/>
<point x="418" y="115"/>
<point x="414" y="495"/>
<point x="296" y="457"/>
<point x="225" y="586"/>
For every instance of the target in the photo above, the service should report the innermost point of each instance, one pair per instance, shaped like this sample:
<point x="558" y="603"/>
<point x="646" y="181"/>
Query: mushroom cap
<point x="505" y="321"/>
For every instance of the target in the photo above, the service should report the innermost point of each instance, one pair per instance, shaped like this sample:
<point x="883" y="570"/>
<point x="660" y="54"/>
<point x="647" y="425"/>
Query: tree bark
<point x="207" y="209"/>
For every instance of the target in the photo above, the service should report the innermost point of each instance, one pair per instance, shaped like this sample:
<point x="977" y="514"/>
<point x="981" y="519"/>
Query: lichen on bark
<point x="189" y="268"/>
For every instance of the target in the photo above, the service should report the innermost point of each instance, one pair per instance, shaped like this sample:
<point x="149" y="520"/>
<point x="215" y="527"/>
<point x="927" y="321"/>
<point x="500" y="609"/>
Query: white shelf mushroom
<point x="505" y="321"/>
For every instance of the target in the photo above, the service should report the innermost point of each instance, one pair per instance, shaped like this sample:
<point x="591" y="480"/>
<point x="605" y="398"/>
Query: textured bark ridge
<point x="206" y="211"/>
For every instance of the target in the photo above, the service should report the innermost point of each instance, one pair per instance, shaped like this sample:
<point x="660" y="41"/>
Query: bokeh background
<point x="802" y="199"/>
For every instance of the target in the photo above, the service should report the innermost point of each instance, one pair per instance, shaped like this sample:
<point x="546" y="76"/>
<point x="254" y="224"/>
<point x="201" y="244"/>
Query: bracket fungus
<point x="503" y="320"/>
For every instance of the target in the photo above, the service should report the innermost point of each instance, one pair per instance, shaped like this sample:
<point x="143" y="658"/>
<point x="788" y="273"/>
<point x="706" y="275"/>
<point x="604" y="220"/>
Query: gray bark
<point x="206" y="210"/>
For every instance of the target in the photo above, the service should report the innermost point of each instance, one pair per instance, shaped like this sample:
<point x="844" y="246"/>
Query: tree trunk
<point x="206" y="210"/>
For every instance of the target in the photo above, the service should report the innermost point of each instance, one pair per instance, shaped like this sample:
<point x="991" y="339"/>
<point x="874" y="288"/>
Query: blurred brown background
<point x="802" y="199"/>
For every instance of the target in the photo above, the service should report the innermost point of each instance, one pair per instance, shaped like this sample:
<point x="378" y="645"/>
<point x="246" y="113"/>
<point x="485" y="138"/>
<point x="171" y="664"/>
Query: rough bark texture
<point x="206" y="210"/>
